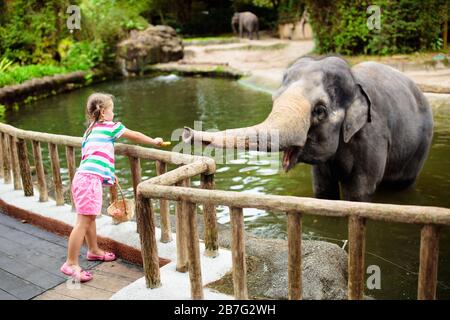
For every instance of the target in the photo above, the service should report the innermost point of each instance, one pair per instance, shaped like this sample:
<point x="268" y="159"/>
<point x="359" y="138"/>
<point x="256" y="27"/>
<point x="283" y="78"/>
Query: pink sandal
<point x="108" y="256"/>
<point x="82" y="275"/>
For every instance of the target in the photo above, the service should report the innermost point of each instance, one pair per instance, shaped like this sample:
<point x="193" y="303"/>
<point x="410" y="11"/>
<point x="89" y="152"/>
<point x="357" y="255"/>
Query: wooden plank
<point x="52" y="295"/>
<point x="18" y="287"/>
<point x="39" y="165"/>
<point x="210" y="219"/>
<point x="238" y="254"/>
<point x="166" y="234"/>
<point x="6" y="296"/>
<point x="15" y="164"/>
<point x="30" y="273"/>
<point x="32" y="243"/>
<point x="356" y="251"/>
<point x="84" y="292"/>
<point x="25" y="171"/>
<point x="429" y="258"/>
<point x="146" y="225"/>
<point x="54" y="157"/>
<point x="294" y="228"/>
<point x="122" y="268"/>
<point x="195" y="270"/>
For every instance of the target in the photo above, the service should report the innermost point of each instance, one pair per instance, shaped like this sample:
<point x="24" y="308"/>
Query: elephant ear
<point x="358" y="114"/>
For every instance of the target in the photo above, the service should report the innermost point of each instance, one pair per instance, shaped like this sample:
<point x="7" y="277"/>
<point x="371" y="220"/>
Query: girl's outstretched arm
<point x="139" y="137"/>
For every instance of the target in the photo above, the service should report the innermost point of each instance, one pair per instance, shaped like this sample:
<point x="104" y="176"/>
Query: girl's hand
<point x="116" y="181"/>
<point x="158" y="142"/>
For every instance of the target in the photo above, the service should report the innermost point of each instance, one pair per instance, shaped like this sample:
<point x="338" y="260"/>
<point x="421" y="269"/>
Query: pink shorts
<point x="87" y="193"/>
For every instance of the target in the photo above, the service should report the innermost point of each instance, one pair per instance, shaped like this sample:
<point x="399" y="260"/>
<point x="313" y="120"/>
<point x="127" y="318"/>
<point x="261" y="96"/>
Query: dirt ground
<point x="265" y="61"/>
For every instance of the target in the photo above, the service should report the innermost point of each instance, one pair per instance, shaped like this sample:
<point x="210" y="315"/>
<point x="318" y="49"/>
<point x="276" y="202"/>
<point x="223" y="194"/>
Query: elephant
<point x="360" y="127"/>
<point x="246" y="22"/>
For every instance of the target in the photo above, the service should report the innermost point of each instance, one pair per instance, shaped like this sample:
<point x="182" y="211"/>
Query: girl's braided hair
<point x="95" y="104"/>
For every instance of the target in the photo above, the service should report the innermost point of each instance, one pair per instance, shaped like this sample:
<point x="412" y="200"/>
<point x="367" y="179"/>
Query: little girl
<point x="96" y="169"/>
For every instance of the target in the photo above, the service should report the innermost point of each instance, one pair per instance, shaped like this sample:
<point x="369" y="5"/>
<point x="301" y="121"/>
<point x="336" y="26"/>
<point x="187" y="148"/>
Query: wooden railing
<point x="431" y="219"/>
<point x="175" y="185"/>
<point x="15" y="167"/>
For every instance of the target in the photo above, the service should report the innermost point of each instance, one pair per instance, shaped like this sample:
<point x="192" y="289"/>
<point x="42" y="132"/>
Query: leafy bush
<point x="23" y="73"/>
<point x="406" y="26"/>
<point x="84" y="55"/>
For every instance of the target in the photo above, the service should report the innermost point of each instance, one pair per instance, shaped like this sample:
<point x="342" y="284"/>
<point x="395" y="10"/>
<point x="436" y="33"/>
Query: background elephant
<point x="245" y="22"/>
<point x="357" y="126"/>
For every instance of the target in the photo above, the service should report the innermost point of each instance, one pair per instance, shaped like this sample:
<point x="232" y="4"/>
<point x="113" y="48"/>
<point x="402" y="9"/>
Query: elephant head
<point x="235" y="22"/>
<point x="319" y="105"/>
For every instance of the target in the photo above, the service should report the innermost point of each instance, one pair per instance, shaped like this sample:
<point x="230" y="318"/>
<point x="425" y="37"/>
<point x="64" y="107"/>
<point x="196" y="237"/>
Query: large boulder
<point x="156" y="44"/>
<point x="324" y="264"/>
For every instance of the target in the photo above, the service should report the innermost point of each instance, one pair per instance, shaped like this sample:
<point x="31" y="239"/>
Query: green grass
<point x="21" y="74"/>
<point x="210" y="40"/>
<point x="275" y="46"/>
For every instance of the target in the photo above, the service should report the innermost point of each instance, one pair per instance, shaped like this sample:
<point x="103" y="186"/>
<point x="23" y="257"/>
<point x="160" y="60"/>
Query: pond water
<point x="159" y="105"/>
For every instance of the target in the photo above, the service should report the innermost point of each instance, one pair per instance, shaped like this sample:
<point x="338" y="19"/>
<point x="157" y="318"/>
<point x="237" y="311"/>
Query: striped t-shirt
<point x="97" y="150"/>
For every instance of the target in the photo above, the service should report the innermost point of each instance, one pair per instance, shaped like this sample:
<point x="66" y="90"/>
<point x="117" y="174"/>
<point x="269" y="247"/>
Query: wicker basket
<point x="125" y="207"/>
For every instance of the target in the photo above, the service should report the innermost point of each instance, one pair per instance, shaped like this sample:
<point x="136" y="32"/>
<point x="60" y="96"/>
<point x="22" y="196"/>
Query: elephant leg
<point x="325" y="183"/>
<point x="363" y="182"/>
<point x="241" y="29"/>
<point x="359" y="188"/>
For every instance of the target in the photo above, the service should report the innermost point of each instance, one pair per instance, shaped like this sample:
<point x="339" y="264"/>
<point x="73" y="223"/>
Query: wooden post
<point x="294" y="228"/>
<point x="71" y="165"/>
<point x="356" y="250"/>
<point x="25" y="171"/>
<point x="181" y="238"/>
<point x="195" y="271"/>
<point x="238" y="254"/>
<point x="42" y="183"/>
<point x="6" y="159"/>
<point x="429" y="257"/>
<point x="15" y="163"/>
<point x="135" y="165"/>
<point x="149" y="249"/>
<point x="1" y="154"/>
<point x="59" y="197"/>
<point x="210" y="219"/>
<point x="166" y="234"/>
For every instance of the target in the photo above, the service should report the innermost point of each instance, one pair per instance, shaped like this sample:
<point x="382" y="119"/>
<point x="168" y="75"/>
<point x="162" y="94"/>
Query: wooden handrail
<point x="333" y="208"/>
<point x="119" y="148"/>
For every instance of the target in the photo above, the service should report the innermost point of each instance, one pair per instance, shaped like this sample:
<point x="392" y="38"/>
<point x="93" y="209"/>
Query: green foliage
<point x="30" y="30"/>
<point x="5" y="64"/>
<point x="84" y="55"/>
<point x="22" y="73"/>
<point x="406" y="26"/>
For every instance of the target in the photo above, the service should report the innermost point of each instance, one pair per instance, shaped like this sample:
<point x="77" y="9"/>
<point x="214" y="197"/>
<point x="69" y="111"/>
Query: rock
<point x="324" y="275"/>
<point x="324" y="266"/>
<point x="155" y="44"/>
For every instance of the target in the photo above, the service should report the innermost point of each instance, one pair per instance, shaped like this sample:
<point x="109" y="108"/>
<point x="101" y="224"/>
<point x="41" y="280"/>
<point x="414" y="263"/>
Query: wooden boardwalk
<point x="30" y="259"/>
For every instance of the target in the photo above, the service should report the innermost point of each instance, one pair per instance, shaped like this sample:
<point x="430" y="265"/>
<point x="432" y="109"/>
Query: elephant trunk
<point x="288" y="123"/>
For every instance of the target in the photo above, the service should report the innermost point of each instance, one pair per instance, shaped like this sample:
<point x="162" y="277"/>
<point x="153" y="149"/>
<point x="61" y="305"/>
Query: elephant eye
<point x="320" y="111"/>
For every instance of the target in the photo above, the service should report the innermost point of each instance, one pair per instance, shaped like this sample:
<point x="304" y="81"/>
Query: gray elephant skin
<point x="358" y="127"/>
<point x="245" y="22"/>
